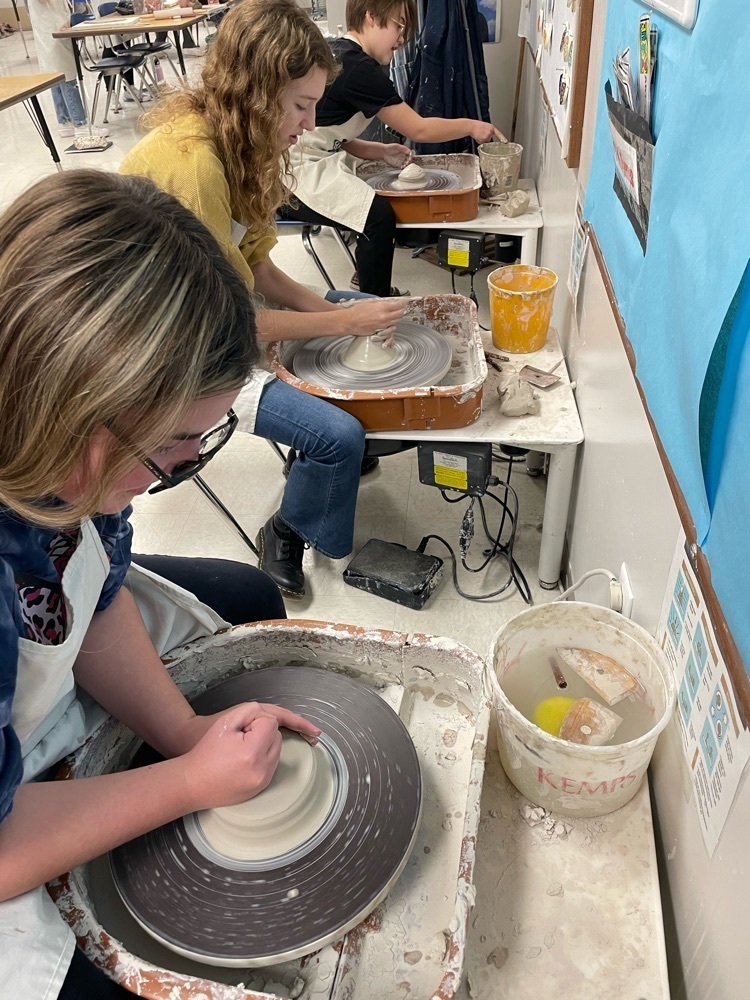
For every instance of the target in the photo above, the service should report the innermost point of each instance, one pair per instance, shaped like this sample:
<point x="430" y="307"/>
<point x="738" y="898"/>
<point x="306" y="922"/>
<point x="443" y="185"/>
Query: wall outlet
<point x="627" y="592"/>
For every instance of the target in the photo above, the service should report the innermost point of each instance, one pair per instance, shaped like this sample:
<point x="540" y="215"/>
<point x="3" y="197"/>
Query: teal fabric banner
<point x="675" y="297"/>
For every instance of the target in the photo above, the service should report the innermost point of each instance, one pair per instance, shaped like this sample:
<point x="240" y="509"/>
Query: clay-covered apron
<point x="327" y="181"/>
<point x="52" y="718"/>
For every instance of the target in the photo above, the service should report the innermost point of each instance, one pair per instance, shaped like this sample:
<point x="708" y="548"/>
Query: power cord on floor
<point x="509" y="505"/>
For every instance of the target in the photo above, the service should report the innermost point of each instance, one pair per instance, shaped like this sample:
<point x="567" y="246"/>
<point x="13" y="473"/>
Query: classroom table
<point x="556" y="431"/>
<point x="130" y="27"/>
<point x="490" y="219"/>
<point x="24" y="89"/>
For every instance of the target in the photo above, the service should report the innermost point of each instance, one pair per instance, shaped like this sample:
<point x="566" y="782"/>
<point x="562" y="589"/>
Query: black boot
<point x="281" y="551"/>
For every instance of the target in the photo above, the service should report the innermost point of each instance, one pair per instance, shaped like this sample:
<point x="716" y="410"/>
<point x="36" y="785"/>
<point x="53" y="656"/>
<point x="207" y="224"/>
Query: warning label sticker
<point x="451" y="471"/>
<point x="458" y="253"/>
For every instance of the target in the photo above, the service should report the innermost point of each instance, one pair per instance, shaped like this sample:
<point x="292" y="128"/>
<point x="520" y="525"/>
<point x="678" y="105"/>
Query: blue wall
<point x="686" y="292"/>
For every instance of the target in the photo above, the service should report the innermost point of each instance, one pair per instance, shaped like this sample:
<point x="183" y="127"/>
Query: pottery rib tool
<point x="589" y="723"/>
<point x="606" y="676"/>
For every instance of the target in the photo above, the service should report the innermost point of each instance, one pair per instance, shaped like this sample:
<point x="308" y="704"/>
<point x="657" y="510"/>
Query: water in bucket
<point x="531" y="682"/>
<point x="521" y="298"/>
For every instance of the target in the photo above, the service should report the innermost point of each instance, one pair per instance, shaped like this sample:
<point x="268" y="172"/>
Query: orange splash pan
<point x="456" y="402"/>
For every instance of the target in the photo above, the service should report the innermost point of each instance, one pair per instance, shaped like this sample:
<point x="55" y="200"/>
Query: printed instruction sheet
<point x="715" y="743"/>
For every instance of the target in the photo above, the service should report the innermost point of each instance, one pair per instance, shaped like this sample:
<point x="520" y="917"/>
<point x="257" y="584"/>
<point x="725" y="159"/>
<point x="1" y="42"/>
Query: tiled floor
<point x="393" y="504"/>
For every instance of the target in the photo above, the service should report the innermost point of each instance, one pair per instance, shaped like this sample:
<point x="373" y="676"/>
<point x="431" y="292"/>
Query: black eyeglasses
<point x="212" y="442"/>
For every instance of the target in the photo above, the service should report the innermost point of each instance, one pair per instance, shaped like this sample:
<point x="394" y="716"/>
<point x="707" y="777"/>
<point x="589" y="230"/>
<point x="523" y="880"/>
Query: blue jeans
<point x="320" y="499"/>
<point x="68" y="104"/>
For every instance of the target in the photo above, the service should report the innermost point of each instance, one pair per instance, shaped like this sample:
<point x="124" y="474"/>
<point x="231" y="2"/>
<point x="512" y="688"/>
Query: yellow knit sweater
<point x="182" y="159"/>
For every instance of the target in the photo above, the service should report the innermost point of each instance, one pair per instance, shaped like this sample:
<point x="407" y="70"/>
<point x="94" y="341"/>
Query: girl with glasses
<point x="223" y="150"/>
<point x="125" y="337"/>
<point x="326" y="188"/>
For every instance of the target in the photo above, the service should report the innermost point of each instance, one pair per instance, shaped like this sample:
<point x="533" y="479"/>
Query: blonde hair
<point x="117" y="308"/>
<point x="260" y="47"/>
<point x="381" y="10"/>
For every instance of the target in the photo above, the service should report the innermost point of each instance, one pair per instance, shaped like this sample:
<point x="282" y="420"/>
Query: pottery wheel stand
<point x="306" y="860"/>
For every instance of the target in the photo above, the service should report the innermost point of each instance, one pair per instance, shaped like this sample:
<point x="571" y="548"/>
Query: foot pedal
<point x="394" y="572"/>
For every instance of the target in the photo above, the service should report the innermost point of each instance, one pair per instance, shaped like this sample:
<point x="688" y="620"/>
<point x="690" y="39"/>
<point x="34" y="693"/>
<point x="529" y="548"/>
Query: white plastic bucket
<point x="567" y="777"/>
<point x="500" y="165"/>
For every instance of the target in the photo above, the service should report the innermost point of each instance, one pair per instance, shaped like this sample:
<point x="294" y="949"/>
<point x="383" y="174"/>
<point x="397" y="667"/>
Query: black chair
<point x="110" y="68"/>
<point x="153" y="50"/>
<point x="308" y="231"/>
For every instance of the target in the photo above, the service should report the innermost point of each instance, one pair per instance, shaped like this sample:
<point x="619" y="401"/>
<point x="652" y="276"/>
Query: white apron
<point x="246" y="404"/>
<point x="55" y="55"/>
<point x="52" y="719"/>
<point x="327" y="182"/>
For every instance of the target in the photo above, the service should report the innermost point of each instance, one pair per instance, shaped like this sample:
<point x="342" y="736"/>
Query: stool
<point x="308" y="231"/>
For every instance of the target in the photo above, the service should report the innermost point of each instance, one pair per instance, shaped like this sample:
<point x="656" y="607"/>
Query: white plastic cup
<point x="567" y="777"/>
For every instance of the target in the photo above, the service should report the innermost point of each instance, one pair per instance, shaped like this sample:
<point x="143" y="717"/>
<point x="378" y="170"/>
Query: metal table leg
<point x="36" y="113"/>
<point x="556" y="506"/>
<point x="79" y="74"/>
<point x="178" y="46"/>
<point x="20" y="29"/>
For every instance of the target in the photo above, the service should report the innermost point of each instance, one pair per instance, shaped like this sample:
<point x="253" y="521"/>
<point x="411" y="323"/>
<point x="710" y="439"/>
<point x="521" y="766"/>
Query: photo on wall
<point x="489" y="19"/>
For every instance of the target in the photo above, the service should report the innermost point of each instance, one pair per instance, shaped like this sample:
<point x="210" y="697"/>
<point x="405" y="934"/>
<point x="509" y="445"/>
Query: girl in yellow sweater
<point x="222" y="150"/>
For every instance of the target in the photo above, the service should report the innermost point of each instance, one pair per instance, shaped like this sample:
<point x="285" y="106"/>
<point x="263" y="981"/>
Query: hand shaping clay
<point x="286" y="813"/>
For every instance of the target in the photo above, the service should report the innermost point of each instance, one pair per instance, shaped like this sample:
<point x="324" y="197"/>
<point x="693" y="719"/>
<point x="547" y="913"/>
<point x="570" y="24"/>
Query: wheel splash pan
<point x="455" y="402"/>
<point x="417" y="936"/>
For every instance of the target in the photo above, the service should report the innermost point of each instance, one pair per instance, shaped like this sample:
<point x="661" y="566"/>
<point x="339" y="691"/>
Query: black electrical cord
<point x="472" y="293"/>
<point x="515" y="573"/>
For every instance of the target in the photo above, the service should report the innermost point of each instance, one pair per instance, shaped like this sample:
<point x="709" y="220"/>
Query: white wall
<point x="623" y="512"/>
<point x="501" y="62"/>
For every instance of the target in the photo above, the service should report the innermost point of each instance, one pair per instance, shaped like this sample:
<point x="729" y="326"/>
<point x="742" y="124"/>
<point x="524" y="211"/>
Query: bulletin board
<point x="684" y="297"/>
<point x="559" y="35"/>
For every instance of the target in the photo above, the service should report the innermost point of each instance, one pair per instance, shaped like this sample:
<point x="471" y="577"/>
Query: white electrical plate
<point x="682" y="11"/>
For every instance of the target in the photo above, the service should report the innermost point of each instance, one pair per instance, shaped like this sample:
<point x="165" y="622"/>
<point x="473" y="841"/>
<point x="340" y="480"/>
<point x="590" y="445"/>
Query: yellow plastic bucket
<point x="521" y="298"/>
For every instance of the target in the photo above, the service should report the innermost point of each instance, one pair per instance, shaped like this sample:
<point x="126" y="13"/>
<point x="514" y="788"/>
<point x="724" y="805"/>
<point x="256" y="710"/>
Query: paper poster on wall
<point x="714" y="741"/>
<point x="578" y="247"/>
<point x="682" y="11"/>
<point x="559" y="35"/>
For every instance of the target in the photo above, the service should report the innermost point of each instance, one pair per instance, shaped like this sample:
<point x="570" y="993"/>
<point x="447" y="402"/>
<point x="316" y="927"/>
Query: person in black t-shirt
<point x="327" y="190"/>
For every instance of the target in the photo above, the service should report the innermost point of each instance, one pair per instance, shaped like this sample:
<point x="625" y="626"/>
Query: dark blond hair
<point x="382" y="11"/>
<point x="117" y="309"/>
<point x="260" y="47"/>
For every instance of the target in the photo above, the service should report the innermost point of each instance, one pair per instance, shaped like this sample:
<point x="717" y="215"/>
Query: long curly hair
<point x="260" y="47"/>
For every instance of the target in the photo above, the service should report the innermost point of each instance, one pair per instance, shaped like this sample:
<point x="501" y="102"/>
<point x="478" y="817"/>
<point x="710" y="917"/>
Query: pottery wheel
<point x="421" y="356"/>
<point x="356" y="797"/>
<point x="437" y="180"/>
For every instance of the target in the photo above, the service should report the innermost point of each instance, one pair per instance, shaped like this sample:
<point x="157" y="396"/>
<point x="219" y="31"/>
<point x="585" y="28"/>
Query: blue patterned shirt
<point x="32" y="561"/>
